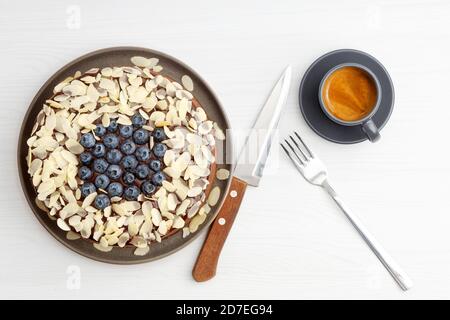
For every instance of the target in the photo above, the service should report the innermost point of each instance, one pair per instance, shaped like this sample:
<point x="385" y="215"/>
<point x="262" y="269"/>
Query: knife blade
<point x="262" y="134"/>
<point x="247" y="171"/>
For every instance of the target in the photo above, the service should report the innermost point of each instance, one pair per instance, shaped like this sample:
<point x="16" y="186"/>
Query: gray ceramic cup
<point x="366" y="123"/>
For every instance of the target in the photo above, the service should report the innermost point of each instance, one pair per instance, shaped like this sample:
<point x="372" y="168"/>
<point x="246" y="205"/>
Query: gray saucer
<point x="309" y="101"/>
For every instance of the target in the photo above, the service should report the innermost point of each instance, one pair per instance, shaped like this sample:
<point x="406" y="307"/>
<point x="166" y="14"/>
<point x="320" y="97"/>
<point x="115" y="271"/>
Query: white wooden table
<point x="289" y="240"/>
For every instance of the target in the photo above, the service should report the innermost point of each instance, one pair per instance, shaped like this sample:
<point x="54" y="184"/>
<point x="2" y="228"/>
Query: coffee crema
<point x="349" y="94"/>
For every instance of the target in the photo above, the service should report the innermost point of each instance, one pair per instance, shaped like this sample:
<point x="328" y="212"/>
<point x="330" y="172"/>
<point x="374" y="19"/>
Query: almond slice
<point x="187" y="83"/>
<point x="178" y="222"/>
<point x="214" y="196"/>
<point x="72" y="235"/>
<point x="102" y="248"/>
<point x="223" y="174"/>
<point x="141" y="251"/>
<point x="62" y="224"/>
<point x="141" y="62"/>
<point x="186" y="232"/>
<point x="35" y="165"/>
<point x="74" y="146"/>
<point x="193" y="192"/>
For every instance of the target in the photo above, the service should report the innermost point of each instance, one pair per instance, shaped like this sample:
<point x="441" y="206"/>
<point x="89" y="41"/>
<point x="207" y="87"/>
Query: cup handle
<point x="371" y="130"/>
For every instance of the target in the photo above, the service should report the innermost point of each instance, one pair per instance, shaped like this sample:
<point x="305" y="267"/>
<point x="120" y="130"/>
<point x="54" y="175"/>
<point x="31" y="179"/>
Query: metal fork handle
<point x="403" y="280"/>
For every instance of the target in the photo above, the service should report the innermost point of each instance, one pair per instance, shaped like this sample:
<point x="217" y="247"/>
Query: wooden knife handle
<point x="206" y="265"/>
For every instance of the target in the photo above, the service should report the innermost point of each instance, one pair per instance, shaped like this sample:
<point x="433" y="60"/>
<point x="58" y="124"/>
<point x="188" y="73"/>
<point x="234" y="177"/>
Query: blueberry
<point x="126" y="131"/>
<point x="87" y="188"/>
<point x="159" y="150"/>
<point x="85" y="158"/>
<point x="128" y="147"/>
<point x="111" y="141"/>
<point x="102" y="181"/>
<point x="84" y="173"/>
<point x="137" y="120"/>
<point x="131" y="193"/>
<point x="142" y="171"/>
<point x="159" y="134"/>
<point x="101" y="201"/>
<point x="128" y="178"/>
<point x="143" y="153"/>
<point x="148" y="188"/>
<point x="114" y="172"/>
<point x="100" y="165"/>
<point x="99" y="150"/>
<point x="155" y="165"/>
<point x="115" y="189"/>
<point x="140" y="136"/>
<point x="129" y="163"/>
<point x="113" y="156"/>
<point x="100" y="130"/>
<point x="112" y="126"/>
<point x="87" y="140"/>
<point x="158" y="178"/>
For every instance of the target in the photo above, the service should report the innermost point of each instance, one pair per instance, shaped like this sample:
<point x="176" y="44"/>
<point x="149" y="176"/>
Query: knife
<point x="245" y="173"/>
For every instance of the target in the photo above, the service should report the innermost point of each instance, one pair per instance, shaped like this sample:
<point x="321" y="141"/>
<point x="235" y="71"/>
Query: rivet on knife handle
<point x="206" y="265"/>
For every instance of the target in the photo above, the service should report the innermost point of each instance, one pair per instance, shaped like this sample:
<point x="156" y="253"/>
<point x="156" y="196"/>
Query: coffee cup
<point x="350" y="95"/>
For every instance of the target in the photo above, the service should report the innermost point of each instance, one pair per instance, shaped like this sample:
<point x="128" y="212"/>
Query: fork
<point x="315" y="172"/>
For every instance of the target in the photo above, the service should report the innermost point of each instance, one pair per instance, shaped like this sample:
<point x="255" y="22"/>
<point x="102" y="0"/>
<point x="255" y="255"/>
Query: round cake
<point x="124" y="156"/>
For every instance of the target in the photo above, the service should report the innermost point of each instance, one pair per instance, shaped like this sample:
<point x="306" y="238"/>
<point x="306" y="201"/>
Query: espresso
<point x="349" y="94"/>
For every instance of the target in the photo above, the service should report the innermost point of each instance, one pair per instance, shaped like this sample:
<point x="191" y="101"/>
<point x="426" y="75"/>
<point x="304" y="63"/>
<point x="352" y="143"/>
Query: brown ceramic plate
<point x="120" y="56"/>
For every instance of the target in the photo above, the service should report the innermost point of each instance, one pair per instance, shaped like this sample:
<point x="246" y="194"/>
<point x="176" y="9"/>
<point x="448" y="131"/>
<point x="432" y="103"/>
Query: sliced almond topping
<point x="69" y="157"/>
<point x="72" y="236"/>
<point x="187" y="82"/>
<point x="74" y="146"/>
<point x="62" y="224"/>
<point x="156" y="216"/>
<point x="193" y="192"/>
<point x="35" y="165"/>
<point x="178" y="222"/>
<point x="107" y="84"/>
<point x="168" y="186"/>
<point x="157" y="116"/>
<point x="172" y="201"/>
<point x="162" y="229"/>
<point x="147" y="208"/>
<point x="172" y="172"/>
<point x="214" y="196"/>
<point x="102" y="248"/>
<point x="131" y="205"/>
<point x="123" y="119"/>
<point x="123" y="239"/>
<point x="141" y="251"/>
<point x="169" y="156"/>
<point x="89" y="200"/>
<point x="222" y="174"/>
<point x="106" y="72"/>
<point x="141" y="61"/>
<point x="218" y="133"/>
<point x="75" y="88"/>
<point x="186" y="232"/>
<point x="181" y="210"/>
<point x="138" y="95"/>
<point x="138" y="242"/>
<point x="192" y="211"/>
<point x="196" y="222"/>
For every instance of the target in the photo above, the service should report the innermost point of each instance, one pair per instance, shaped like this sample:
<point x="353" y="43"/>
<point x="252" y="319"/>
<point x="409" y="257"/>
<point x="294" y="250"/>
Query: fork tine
<point x="290" y="156"/>
<point x="303" y="143"/>
<point x="293" y="151"/>
<point x="299" y="149"/>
